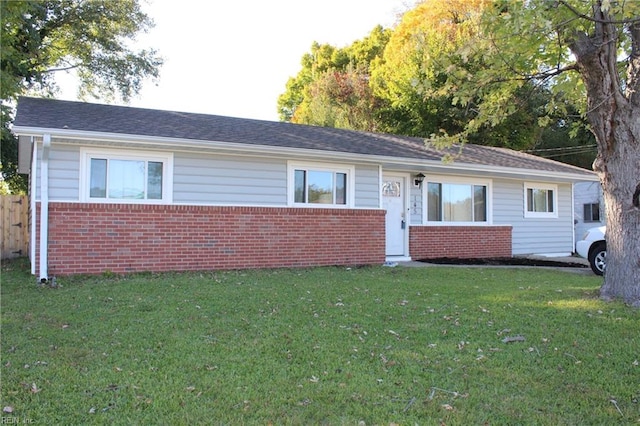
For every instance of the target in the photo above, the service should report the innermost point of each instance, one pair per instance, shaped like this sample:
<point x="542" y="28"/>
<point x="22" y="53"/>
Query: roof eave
<point x="234" y="147"/>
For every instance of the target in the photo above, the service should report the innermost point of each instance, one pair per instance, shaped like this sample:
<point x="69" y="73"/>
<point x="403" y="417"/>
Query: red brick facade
<point x="430" y="242"/>
<point x="94" y="238"/>
<point x="120" y="238"/>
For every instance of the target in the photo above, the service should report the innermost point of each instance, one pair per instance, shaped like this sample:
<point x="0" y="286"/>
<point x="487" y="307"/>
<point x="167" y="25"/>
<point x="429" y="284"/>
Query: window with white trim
<point x="540" y="200"/>
<point x="121" y="176"/>
<point x="320" y="184"/>
<point x="459" y="202"/>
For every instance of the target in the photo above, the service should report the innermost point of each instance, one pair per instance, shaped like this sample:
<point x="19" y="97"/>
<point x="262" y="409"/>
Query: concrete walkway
<point x="567" y="259"/>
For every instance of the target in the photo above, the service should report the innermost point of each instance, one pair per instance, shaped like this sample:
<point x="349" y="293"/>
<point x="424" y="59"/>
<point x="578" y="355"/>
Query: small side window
<point x="592" y="212"/>
<point x="540" y="201"/>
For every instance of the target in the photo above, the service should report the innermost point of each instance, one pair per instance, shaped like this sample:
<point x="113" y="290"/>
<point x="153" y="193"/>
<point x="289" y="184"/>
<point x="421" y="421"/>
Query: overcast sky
<point x="233" y="58"/>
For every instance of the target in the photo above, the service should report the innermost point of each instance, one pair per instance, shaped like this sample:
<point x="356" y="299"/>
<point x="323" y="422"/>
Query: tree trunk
<point x="614" y="115"/>
<point x="620" y="177"/>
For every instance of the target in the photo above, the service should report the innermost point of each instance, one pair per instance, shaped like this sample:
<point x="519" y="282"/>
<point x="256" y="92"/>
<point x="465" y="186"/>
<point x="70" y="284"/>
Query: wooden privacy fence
<point x="15" y="226"/>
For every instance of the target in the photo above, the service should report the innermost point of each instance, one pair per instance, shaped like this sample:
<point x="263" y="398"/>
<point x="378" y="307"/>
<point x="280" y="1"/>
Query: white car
<point x="593" y="247"/>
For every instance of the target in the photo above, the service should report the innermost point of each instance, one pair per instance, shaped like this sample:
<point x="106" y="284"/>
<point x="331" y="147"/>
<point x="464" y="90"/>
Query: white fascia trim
<point x="177" y="143"/>
<point x="438" y="167"/>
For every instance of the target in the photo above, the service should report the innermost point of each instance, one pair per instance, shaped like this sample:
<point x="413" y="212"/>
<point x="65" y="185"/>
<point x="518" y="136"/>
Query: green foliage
<point x="409" y="74"/>
<point x="409" y="80"/>
<point x="566" y="137"/>
<point x="586" y="55"/>
<point x="526" y="44"/>
<point x="11" y="181"/>
<point x="318" y="346"/>
<point x="325" y="90"/>
<point x="91" y="38"/>
<point x="341" y="99"/>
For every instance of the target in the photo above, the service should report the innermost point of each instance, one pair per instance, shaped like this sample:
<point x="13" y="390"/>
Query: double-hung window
<point x="458" y="202"/>
<point x="592" y="212"/>
<point x="318" y="184"/>
<point x="121" y="176"/>
<point x="540" y="200"/>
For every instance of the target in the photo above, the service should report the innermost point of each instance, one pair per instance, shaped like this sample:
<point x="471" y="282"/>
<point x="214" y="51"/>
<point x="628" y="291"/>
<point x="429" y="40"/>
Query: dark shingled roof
<point x="90" y="117"/>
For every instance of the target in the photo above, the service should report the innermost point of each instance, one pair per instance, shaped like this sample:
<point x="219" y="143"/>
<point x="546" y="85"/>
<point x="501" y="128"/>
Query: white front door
<point x="393" y="201"/>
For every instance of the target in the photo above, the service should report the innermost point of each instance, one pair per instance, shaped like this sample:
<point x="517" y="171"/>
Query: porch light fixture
<point x="418" y="180"/>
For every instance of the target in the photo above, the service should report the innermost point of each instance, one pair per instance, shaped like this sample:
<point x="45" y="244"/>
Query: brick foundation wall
<point x="94" y="238"/>
<point x="431" y="242"/>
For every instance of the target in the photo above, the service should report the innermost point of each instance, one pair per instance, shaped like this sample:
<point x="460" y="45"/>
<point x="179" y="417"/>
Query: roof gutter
<point x="44" y="209"/>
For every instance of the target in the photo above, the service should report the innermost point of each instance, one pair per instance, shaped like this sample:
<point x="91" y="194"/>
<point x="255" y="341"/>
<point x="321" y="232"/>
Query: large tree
<point x="587" y="51"/>
<point x="393" y="81"/>
<point x="89" y="37"/>
<point x="408" y="75"/>
<point x="340" y="99"/>
<point x="332" y="88"/>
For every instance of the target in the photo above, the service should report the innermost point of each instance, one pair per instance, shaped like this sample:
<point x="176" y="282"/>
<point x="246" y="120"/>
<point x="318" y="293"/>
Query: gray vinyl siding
<point x="533" y="236"/>
<point x="226" y="180"/>
<point x="64" y="172"/>
<point x="254" y="181"/>
<point x="207" y="179"/>
<point x="529" y="236"/>
<point x="586" y="193"/>
<point x="211" y="179"/>
<point x="367" y="187"/>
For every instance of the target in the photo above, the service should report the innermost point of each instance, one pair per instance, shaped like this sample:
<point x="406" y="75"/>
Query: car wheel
<point x="598" y="258"/>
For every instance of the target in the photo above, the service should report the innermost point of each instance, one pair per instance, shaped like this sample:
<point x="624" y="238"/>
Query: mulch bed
<point x="503" y="261"/>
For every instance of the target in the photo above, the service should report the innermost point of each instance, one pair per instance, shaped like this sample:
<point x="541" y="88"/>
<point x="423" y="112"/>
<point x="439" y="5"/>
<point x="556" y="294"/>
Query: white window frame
<point x="350" y="172"/>
<point x="540" y="215"/>
<point x="454" y="180"/>
<point x="166" y="158"/>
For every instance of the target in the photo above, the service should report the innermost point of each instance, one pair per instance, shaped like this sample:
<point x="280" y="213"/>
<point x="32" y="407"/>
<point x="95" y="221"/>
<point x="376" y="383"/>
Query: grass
<point x="319" y="346"/>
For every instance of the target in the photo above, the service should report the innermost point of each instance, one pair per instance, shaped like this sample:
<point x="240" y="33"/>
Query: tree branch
<point x="633" y="69"/>
<point x="69" y="68"/>
<point x="610" y="32"/>
<point x="596" y="19"/>
<point x="544" y="75"/>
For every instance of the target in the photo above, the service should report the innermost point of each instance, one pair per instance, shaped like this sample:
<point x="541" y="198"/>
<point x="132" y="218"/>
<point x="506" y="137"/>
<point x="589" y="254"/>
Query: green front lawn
<point x="319" y="346"/>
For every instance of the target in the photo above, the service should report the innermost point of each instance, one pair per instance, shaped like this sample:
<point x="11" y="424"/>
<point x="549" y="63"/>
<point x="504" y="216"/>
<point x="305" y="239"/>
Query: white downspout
<point x="44" y="209"/>
<point x="33" y="177"/>
<point x="573" y="217"/>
